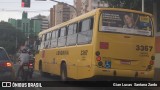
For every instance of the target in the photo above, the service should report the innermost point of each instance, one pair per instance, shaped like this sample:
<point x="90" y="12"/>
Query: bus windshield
<point x="126" y="23"/>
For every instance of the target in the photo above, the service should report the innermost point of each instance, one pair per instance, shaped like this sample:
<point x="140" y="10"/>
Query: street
<point x="38" y="77"/>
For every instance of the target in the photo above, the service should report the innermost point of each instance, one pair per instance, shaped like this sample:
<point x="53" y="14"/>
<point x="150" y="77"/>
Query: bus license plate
<point x="126" y="62"/>
<point x="108" y="64"/>
<point x="25" y="67"/>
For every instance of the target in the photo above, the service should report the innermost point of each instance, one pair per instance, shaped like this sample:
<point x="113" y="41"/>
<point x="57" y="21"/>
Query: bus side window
<point x="54" y="39"/>
<point x="43" y="41"/>
<point x="62" y="38"/>
<point x="72" y="34"/>
<point x="85" y="31"/>
<point x="38" y="43"/>
<point x="47" y="40"/>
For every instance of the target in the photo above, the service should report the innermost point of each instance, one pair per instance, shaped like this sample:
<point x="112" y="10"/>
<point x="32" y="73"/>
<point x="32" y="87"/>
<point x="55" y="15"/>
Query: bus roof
<point x="69" y="21"/>
<point x="91" y="13"/>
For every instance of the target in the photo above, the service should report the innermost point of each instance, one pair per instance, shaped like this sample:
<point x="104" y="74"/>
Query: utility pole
<point x="142" y="5"/>
<point x="16" y="41"/>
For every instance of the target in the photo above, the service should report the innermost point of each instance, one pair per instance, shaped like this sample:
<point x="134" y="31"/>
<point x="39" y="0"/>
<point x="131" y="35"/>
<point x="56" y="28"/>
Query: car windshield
<point x="3" y="55"/>
<point x="126" y="22"/>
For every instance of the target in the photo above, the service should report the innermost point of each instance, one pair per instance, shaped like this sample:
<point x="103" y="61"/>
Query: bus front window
<point x="126" y="23"/>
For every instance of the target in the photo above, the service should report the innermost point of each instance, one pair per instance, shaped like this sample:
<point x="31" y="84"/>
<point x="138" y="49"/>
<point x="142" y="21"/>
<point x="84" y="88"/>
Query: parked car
<point x="7" y="72"/>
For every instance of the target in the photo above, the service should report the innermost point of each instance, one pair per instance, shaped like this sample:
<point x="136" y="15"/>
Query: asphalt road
<point x="38" y="77"/>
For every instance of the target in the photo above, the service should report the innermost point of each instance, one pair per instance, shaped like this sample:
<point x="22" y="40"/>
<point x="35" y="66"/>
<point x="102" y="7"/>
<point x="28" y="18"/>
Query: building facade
<point x="27" y="26"/>
<point x="78" y="6"/>
<point x="84" y="6"/>
<point x="60" y="13"/>
<point x="42" y="20"/>
<point x="156" y="14"/>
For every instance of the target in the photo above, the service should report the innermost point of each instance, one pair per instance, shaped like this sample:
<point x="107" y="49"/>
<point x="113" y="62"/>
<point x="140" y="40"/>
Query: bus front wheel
<point x="63" y="72"/>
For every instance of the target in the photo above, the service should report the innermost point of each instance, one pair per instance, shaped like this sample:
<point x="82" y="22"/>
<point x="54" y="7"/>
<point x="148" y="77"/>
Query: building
<point x="43" y="21"/>
<point x="27" y="26"/>
<point x="84" y="6"/>
<point x="156" y="14"/>
<point x="78" y="6"/>
<point x="22" y="24"/>
<point x="35" y="26"/>
<point x="13" y="22"/>
<point x="60" y="13"/>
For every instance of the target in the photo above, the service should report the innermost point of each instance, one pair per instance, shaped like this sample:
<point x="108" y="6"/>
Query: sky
<point x="13" y="9"/>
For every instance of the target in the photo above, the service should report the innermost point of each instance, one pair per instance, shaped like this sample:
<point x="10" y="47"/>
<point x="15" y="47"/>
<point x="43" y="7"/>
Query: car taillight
<point x="30" y="64"/>
<point x="7" y="64"/>
<point x="104" y="45"/>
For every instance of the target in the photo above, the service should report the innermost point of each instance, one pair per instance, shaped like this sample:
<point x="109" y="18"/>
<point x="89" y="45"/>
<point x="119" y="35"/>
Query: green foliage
<point x="131" y="4"/>
<point x="123" y="3"/>
<point x="8" y="37"/>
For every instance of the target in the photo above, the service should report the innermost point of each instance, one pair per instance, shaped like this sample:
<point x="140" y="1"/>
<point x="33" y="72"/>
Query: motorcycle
<point x="26" y="71"/>
<point x="31" y="68"/>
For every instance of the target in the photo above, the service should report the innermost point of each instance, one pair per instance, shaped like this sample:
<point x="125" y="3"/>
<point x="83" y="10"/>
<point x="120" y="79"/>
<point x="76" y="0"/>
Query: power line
<point x="20" y="2"/>
<point x="25" y="10"/>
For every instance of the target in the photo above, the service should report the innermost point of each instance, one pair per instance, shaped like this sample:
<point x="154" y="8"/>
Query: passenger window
<point x="53" y="35"/>
<point x="43" y="38"/>
<point x="85" y="31"/>
<point x="85" y="25"/>
<point x="70" y="29"/>
<point x="48" y="36"/>
<point x="72" y="35"/>
<point x="63" y="32"/>
<point x="54" y="39"/>
<point x="62" y="38"/>
<point x="43" y="41"/>
<point x="47" y="40"/>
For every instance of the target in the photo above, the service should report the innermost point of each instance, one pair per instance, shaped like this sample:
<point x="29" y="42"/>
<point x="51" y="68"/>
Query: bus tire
<point x="63" y="72"/>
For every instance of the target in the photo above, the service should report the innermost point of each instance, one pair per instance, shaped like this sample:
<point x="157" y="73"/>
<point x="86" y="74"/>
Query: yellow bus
<point x="104" y="42"/>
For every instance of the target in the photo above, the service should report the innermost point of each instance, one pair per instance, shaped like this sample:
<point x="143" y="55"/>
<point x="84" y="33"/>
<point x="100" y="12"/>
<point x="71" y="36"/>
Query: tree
<point x="8" y="37"/>
<point x="131" y="4"/>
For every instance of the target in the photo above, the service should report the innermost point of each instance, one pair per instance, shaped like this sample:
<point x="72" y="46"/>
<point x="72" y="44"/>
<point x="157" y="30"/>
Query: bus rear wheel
<point x="63" y="72"/>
